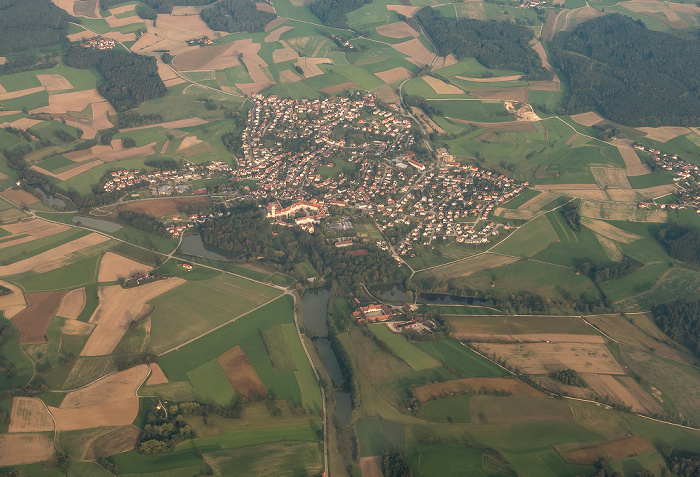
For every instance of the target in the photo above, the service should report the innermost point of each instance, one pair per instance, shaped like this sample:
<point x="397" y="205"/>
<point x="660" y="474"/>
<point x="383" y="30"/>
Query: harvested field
<point x="531" y="338"/>
<point x="545" y="86"/>
<point x="338" y="87"/>
<point x="474" y="385"/>
<point x="117" y="308"/>
<point x="72" y="304"/>
<point x="54" y="258"/>
<point x="386" y="93"/>
<point x="639" y="401"/>
<point x="75" y="327"/>
<point x="630" y="447"/>
<point x="122" y="9"/>
<point x="543" y="358"/>
<point x="114" y="267"/>
<point x="115" y="414"/>
<point x="471" y="265"/>
<point x="372" y="466"/>
<point x="664" y="134"/>
<point x="619" y="211"/>
<point x="520" y="94"/>
<point x="404" y="10"/>
<point x="29" y="414"/>
<point x="54" y="82"/>
<point x="164" y="207"/>
<point x="265" y="7"/>
<point x="417" y="52"/>
<point x="241" y="374"/>
<point x="20" y="93"/>
<point x="397" y="30"/>
<point x="425" y="120"/>
<point x="610" y="231"/>
<point x="209" y="58"/>
<point x="393" y="75"/>
<point x="114" y="442"/>
<point x="493" y="79"/>
<point x="277" y="21"/>
<point x="566" y="187"/>
<point x="87" y="370"/>
<point x="188" y="142"/>
<point x="558" y="327"/>
<point x="76" y="171"/>
<point x="180" y="123"/>
<point x="33" y="229"/>
<point x="492" y="409"/>
<point x="284" y="54"/>
<point x="503" y="126"/>
<point x="310" y="66"/>
<point x="587" y="119"/>
<point x="83" y="35"/>
<point x="157" y="375"/>
<point x="12" y="303"/>
<point x="585" y="13"/>
<point x="649" y="404"/>
<point x="632" y="162"/>
<point x="117" y="152"/>
<point x="77" y="101"/>
<point x="610" y="248"/>
<point x="651" y="8"/>
<point x="146" y="40"/>
<point x="610" y="177"/>
<point x="539" y="49"/>
<point x="538" y="201"/>
<point x="440" y="87"/>
<point x="275" y="35"/>
<point x="115" y="22"/>
<point x="17" y="449"/>
<point x="115" y="35"/>
<point x="19" y="197"/>
<point x="22" y="123"/>
<point x="113" y="388"/>
<point x="33" y="321"/>
<point x="444" y="61"/>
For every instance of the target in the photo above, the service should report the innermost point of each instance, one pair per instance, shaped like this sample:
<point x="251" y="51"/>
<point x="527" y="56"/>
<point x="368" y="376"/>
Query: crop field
<point x="619" y="211"/>
<point x="33" y="321"/>
<point x="494" y="409"/>
<point x="277" y="342"/>
<point x="24" y="448"/>
<point x="529" y="239"/>
<point x="86" y="370"/>
<point x="471" y="266"/>
<point x="625" y="392"/>
<point x="522" y="328"/>
<point x="211" y="384"/>
<point x="447" y="409"/>
<point x="113" y="442"/>
<point x="214" y="301"/>
<point x="165" y="207"/>
<point x="241" y="374"/>
<point x="632" y="446"/>
<point x="72" y="304"/>
<point x="416" y="359"/>
<point x="298" y="386"/>
<point x="543" y="358"/>
<point x="179" y="391"/>
<point x="29" y="414"/>
<point x="474" y="386"/>
<point x="116" y="387"/>
<point x="281" y="459"/>
<point x="462" y="359"/>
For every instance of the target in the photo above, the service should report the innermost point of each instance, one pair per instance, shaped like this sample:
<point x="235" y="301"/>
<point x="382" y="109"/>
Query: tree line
<point x="680" y="319"/>
<point x="236" y="15"/>
<point x="496" y="45"/>
<point x="143" y="222"/>
<point x="570" y="213"/>
<point x="332" y="12"/>
<point x="28" y="63"/>
<point x="681" y="242"/>
<point x="130" y="78"/>
<point x="568" y="376"/>
<point x="160" y="6"/>
<point x="25" y="25"/>
<point x="629" y="74"/>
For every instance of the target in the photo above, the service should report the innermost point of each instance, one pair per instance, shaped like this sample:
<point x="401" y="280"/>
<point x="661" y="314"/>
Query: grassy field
<point x="213" y="302"/>
<point x="77" y="274"/>
<point x="447" y="409"/>
<point x="415" y="358"/>
<point x="529" y="239"/>
<point x="461" y="359"/>
<point x="520" y="199"/>
<point x="277" y="342"/>
<point x="508" y="325"/>
<point x="12" y="352"/>
<point x="298" y="386"/>
<point x="19" y="252"/>
<point x="305" y="269"/>
<point x="211" y="384"/>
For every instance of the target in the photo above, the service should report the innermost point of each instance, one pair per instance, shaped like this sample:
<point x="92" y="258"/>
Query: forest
<point x="496" y="45"/>
<point x="332" y="12"/>
<point x="143" y="222"/>
<point x="236" y="15"/>
<point x="160" y="6"/>
<point x="130" y="78"/>
<point x="25" y="25"/>
<point x="570" y="213"/>
<point x="681" y="242"/>
<point x="629" y="74"/>
<point x="680" y="320"/>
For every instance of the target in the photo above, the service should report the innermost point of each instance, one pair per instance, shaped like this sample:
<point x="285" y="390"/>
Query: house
<point x="373" y="313"/>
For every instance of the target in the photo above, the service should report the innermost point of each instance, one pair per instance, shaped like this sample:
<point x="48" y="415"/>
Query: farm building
<point x="372" y="313"/>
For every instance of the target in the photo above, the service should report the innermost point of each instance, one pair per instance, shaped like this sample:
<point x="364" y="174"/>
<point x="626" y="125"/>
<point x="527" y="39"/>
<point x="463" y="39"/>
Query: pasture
<point x="474" y="386"/>
<point x="521" y="328"/>
<point x="447" y="409"/>
<point x="462" y="359"/>
<point x="408" y="353"/>
<point x="241" y="374"/>
<point x="508" y="409"/>
<point x="211" y="384"/>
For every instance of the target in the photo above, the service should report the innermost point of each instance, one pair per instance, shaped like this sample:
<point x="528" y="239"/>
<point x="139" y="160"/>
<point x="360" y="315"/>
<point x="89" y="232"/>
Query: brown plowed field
<point x="72" y="304"/>
<point x="416" y="50"/>
<point x="275" y="35"/>
<point x="393" y="75"/>
<point x="632" y="446"/>
<point x="115" y="267"/>
<point x="19" y="197"/>
<point x="157" y="375"/>
<point x="54" y="258"/>
<point x="372" y="466"/>
<point x="33" y="321"/>
<point x="240" y="372"/>
<point x="116" y="414"/>
<point x="118" y="307"/>
<point x="587" y="119"/>
<point x="29" y="414"/>
<point x="508" y="409"/>
<point x="54" y="82"/>
<point x="397" y="30"/>
<point x="13" y="303"/>
<point x="17" y="449"/>
<point x="111" y="389"/>
<point x="543" y="358"/>
<point x="474" y="385"/>
<point x="164" y="207"/>
<point x="626" y="394"/>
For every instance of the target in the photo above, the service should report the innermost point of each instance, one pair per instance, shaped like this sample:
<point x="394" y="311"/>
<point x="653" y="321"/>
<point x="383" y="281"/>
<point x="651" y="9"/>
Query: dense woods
<point x="568" y="376"/>
<point x="570" y="213"/>
<point x="602" y="273"/>
<point x="332" y="12"/>
<point x="163" y="430"/>
<point x="236" y="15"/>
<point x="31" y="24"/>
<point x="496" y="45"/>
<point x="160" y="6"/>
<point x="681" y="242"/>
<point x="143" y="222"/>
<point x="130" y="78"/>
<point x="28" y="63"/>
<point x="629" y="74"/>
<point x="680" y="320"/>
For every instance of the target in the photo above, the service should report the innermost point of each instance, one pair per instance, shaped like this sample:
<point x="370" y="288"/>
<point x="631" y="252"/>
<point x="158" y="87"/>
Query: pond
<point x="343" y="407"/>
<point x="440" y="299"/>
<point x="194" y="245"/>
<point x="314" y="310"/>
<point x="330" y="361"/>
<point x="392" y="293"/>
<point x="51" y="200"/>
<point x="97" y="224"/>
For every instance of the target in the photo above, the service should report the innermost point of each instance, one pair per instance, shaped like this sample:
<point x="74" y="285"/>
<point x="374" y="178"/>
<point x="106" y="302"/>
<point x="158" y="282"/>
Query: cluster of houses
<point x="99" y="43"/>
<point x="203" y="41"/>
<point x="166" y="182"/>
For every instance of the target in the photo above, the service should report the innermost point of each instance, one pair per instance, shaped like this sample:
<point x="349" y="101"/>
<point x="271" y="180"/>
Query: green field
<point x="211" y="384"/>
<point x="12" y="352"/>
<point x="277" y="342"/>
<point x="23" y="251"/>
<point x="212" y="302"/>
<point x="447" y="409"/>
<point x="305" y="269"/>
<point x="529" y="239"/>
<point x="521" y="198"/>
<point x="462" y="359"/>
<point x="513" y="325"/>
<point x="77" y="274"/>
<point x="415" y="358"/>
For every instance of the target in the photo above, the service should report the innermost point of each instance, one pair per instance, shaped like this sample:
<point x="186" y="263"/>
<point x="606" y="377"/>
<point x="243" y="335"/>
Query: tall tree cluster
<point x="680" y="320"/>
<point x="332" y="12"/>
<point x="681" y="242"/>
<point x="236" y="15"/>
<point x="31" y="24"/>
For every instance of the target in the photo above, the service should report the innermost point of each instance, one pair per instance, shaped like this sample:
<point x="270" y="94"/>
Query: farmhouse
<point x="373" y="313"/>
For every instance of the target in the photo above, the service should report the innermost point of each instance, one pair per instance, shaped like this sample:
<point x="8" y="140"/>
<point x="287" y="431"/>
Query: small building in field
<point x="373" y="313"/>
